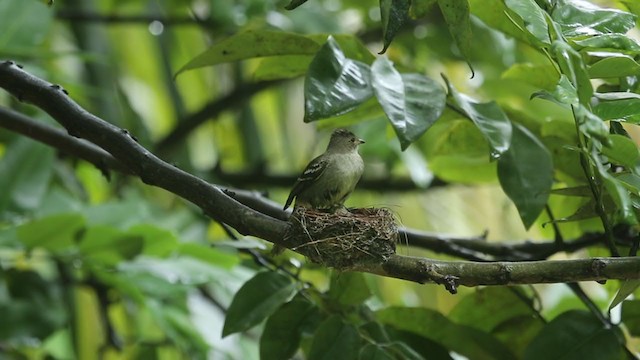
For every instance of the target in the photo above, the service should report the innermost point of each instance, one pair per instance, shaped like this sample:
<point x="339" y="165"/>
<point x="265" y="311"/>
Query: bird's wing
<point x="310" y="174"/>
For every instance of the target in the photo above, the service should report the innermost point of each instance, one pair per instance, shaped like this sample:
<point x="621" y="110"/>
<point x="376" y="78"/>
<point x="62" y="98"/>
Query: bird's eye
<point x="353" y="139"/>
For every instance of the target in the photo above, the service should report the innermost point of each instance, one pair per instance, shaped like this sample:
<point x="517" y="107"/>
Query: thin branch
<point x="60" y="140"/>
<point x="145" y="19"/>
<point x="221" y="207"/>
<point x="211" y="110"/>
<point x="262" y="178"/>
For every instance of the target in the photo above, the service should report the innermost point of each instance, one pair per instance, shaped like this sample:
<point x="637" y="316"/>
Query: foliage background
<point x="91" y="266"/>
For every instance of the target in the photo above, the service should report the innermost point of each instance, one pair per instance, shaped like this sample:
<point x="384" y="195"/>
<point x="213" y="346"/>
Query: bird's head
<point x="343" y="140"/>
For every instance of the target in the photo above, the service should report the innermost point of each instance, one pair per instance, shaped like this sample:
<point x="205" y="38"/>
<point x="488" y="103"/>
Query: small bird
<point x="331" y="177"/>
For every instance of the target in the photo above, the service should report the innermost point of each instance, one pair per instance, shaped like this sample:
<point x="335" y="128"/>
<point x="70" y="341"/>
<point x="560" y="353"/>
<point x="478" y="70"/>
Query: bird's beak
<point x="361" y="141"/>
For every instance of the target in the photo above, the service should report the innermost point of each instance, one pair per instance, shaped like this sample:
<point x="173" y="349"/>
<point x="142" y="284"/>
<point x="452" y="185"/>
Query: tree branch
<point x="214" y="108"/>
<point x="83" y="16"/>
<point x="222" y="207"/>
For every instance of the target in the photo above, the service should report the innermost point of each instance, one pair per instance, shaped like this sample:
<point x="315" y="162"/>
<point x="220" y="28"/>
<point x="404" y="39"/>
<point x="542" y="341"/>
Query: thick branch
<point x="222" y="207"/>
<point x="138" y="160"/>
<point x="455" y="273"/>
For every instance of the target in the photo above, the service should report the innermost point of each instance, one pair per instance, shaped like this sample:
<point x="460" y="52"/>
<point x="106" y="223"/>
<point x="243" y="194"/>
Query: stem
<point x="585" y="161"/>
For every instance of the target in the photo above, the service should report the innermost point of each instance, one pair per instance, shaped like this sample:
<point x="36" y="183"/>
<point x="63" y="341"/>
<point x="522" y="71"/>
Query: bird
<point x="330" y="178"/>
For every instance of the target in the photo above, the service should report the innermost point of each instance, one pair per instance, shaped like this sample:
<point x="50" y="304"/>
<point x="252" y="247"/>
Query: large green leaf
<point x="541" y="76"/>
<point x="619" y="194"/>
<point x="609" y="42"/>
<point x="621" y="150"/>
<point x="208" y="254"/>
<point x="572" y="66"/>
<point x="335" y="340"/>
<point x="108" y="245"/>
<point x="627" y="109"/>
<point x="256" y="300"/>
<point x="576" y="334"/>
<point x="393" y="14"/>
<point x="23" y="25"/>
<point x="532" y="16"/>
<point x="283" y="330"/>
<point x="26" y="168"/>
<point x="526" y="174"/>
<point x="464" y="340"/>
<point x="456" y="14"/>
<point x="412" y="102"/>
<point x="335" y="84"/>
<point x="252" y="44"/>
<point x="349" y="288"/>
<point x="56" y="232"/>
<point x="489" y="118"/>
<point x="614" y="67"/>
<point x="583" y="18"/>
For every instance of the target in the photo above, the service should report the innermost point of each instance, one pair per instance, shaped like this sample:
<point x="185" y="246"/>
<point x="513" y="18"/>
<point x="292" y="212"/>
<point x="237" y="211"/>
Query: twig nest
<point x="344" y="239"/>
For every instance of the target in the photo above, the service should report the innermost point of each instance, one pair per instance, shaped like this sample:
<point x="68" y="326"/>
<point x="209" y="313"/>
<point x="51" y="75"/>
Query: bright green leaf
<point x="393" y="14"/>
<point x="623" y="109"/>
<point x="282" y="331"/>
<point x="420" y="8"/>
<point x="157" y="241"/>
<point x="532" y="16"/>
<point x="335" y="84"/>
<point x="252" y="44"/>
<point x="109" y="245"/>
<point x="56" y="232"/>
<point x="572" y="66"/>
<point x="256" y="300"/>
<point x="489" y="118"/>
<point x="619" y="194"/>
<point x="583" y="18"/>
<point x="541" y="76"/>
<point x="526" y="174"/>
<point x="614" y="67"/>
<point x="335" y="340"/>
<point x="609" y="42"/>
<point x="576" y="334"/>
<point x="412" y="102"/>
<point x="282" y="67"/>
<point x="621" y="150"/>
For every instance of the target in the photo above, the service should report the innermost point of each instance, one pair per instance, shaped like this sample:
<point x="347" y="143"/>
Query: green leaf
<point x="621" y="150"/>
<point x="109" y="245"/>
<point x="608" y="42"/>
<point x="335" y="84"/>
<point x="208" y="254"/>
<point x="30" y="165"/>
<point x="576" y="334"/>
<point x="416" y="344"/>
<point x="56" y="232"/>
<point x="622" y="109"/>
<point x="257" y="299"/>
<point x="619" y="194"/>
<point x="572" y="66"/>
<point x="564" y="93"/>
<point x="489" y="118"/>
<point x="526" y="174"/>
<point x="541" y="76"/>
<point x="394" y="14"/>
<point x="282" y="67"/>
<point x="532" y="16"/>
<point x="375" y="352"/>
<point x="157" y="241"/>
<point x="294" y="4"/>
<point x="252" y="44"/>
<point x="349" y="288"/>
<point x="583" y="18"/>
<point x="16" y="16"/>
<point x="283" y="330"/>
<point x="627" y="287"/>
<point x="412" y="102"/>
<point x="614" y="67"/>
<point x="494" y="13"/>
<point x="456" y="14"/>
<point x="420" y="8"/>
<point x="335" y="340"/>
<point x="464" y="340"/>
<point x="631" y="316"/>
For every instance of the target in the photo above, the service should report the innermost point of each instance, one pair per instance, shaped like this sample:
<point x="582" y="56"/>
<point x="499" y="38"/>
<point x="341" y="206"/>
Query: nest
<point x="343" y="240"/>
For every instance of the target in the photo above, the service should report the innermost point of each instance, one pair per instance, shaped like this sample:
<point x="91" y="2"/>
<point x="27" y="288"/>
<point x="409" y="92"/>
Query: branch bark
<point x="222" y="206"/>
